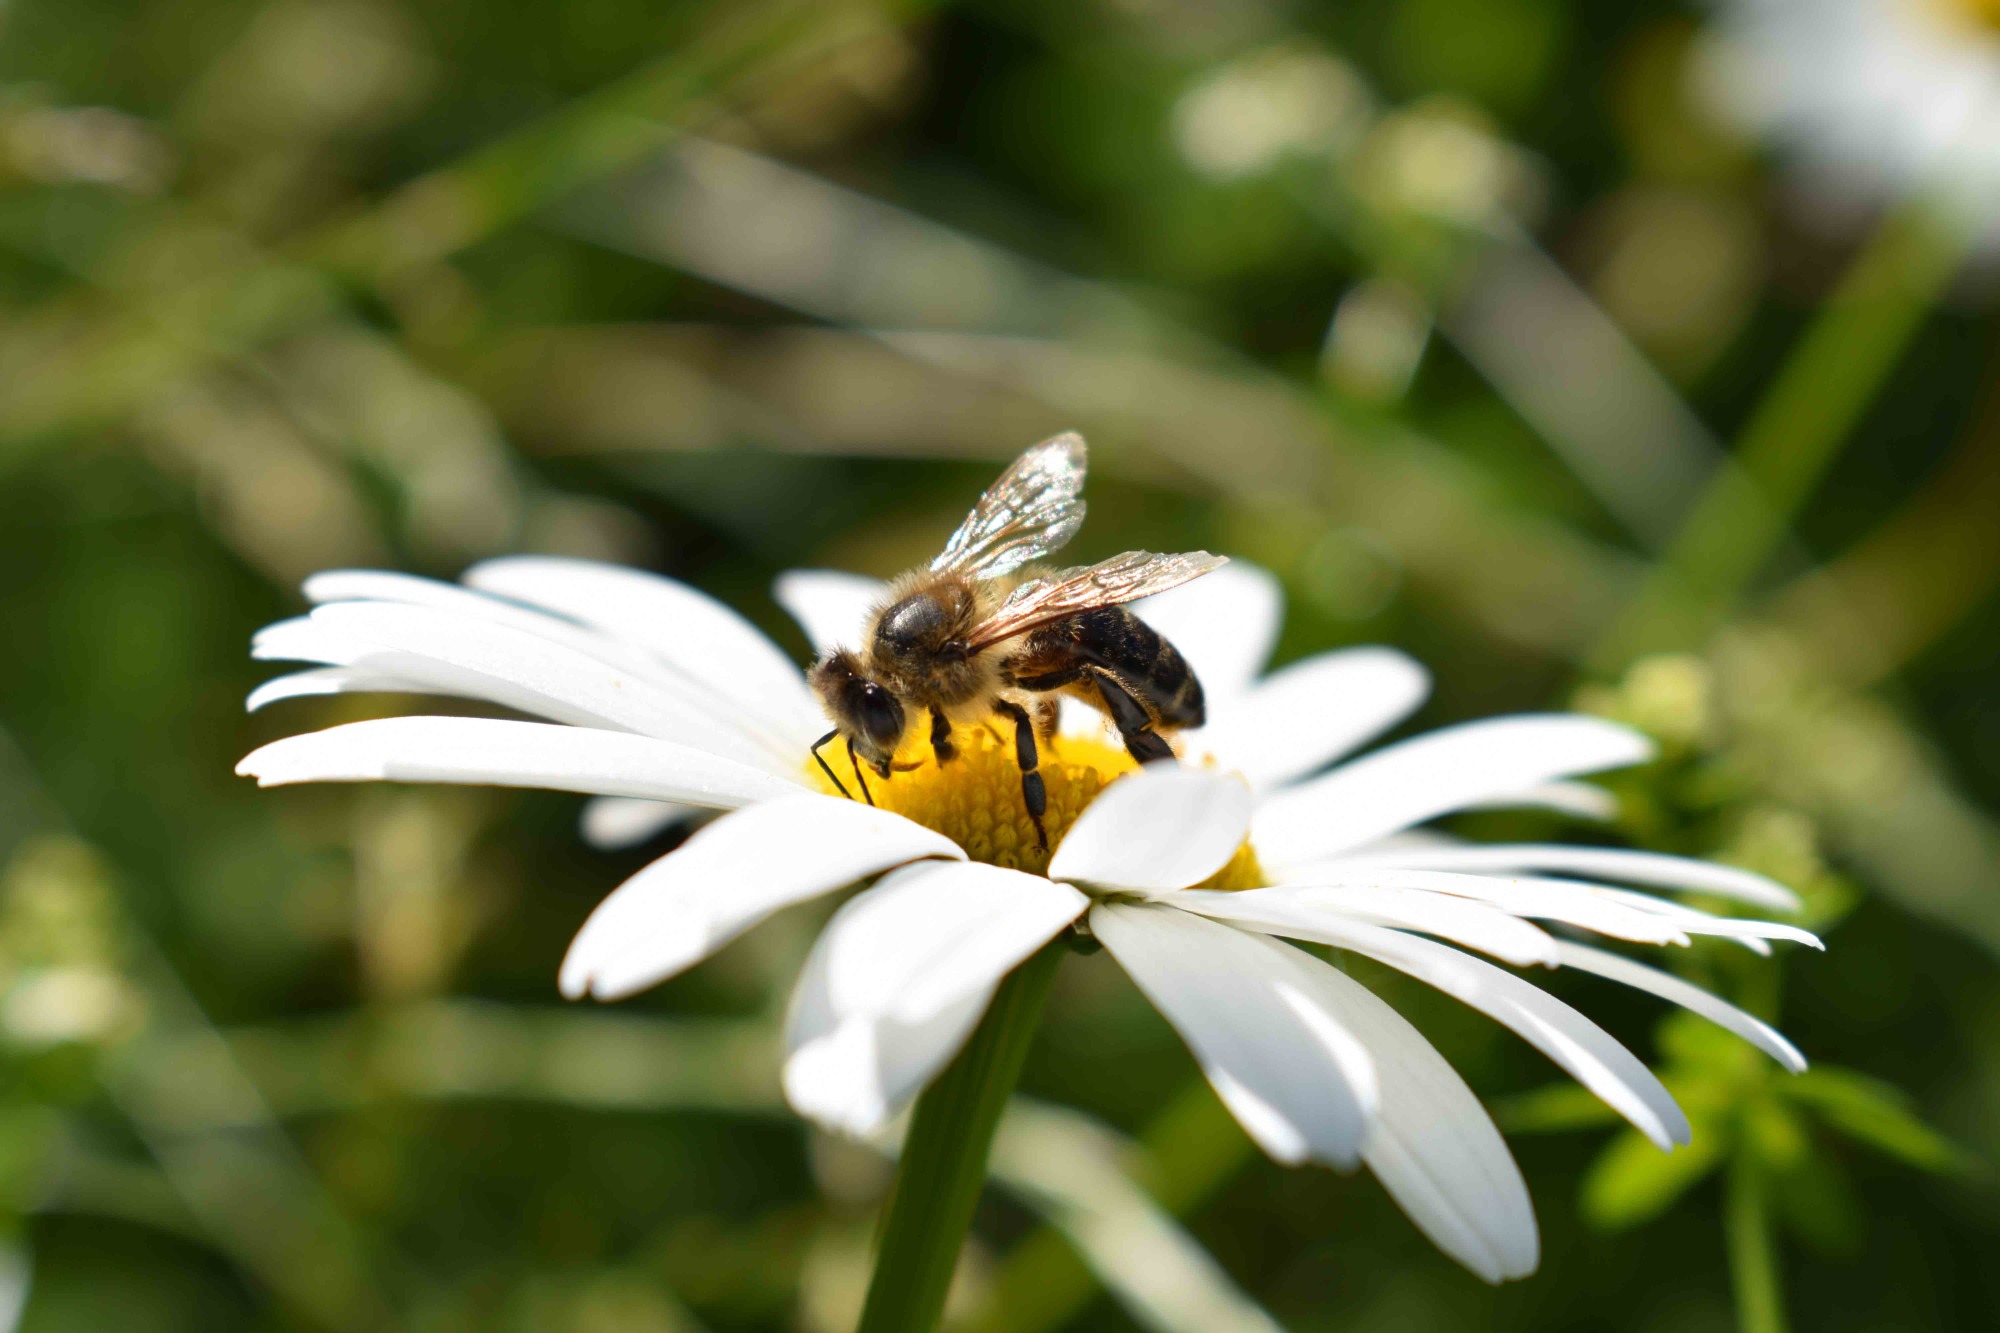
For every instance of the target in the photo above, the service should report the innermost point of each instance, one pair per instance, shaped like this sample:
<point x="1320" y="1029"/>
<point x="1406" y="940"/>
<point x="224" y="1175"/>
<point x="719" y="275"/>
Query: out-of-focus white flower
<point x="1189" y="874"/>
<point x="1876" y="98"/>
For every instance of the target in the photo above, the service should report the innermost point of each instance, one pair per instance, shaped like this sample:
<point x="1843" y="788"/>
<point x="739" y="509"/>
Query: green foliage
<point x="294" y="284"/>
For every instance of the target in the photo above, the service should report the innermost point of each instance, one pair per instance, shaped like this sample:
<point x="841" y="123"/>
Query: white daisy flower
<point x="1878" y="98"/>
<point x="663" y="699"/>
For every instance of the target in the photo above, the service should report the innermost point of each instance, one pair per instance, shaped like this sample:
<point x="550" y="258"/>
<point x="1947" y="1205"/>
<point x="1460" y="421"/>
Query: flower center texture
<point x="1982" y="13"/>
<point x="975" y="800"/>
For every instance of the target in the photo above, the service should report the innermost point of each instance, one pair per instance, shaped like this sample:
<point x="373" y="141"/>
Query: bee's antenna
<point x="855" y="764"/>
<point x="824" y="768"/>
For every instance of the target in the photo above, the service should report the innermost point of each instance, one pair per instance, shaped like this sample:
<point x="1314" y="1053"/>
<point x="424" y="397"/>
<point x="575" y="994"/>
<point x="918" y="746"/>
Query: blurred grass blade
<point x="1796" y="430"/>
<point x="1065" y="1163"/>
<point x="1753" y="1250"/>
<point x="1561" y="362"/>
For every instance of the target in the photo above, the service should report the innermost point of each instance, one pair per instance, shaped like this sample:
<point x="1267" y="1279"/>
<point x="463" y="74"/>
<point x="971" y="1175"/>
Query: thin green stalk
<point x="1753" y="1249"/>
<point x="1795" y="432"/>
<point x="943" y="1163"/>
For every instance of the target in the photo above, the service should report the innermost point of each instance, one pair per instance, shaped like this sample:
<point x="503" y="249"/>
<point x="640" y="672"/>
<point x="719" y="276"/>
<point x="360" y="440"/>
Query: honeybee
<point x="964" y="639"/>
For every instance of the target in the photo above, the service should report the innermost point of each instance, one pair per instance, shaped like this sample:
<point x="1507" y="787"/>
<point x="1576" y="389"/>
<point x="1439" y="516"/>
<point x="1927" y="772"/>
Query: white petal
<point x="1433" y="1147"/>
<point x="1299" y="1084"/>
<point x="853" y="1078"/>
<point x="1669" y="987"/>
<point x="1460" y="920"/>
<point x="1590" y="1054"/>
<point x="831" y="606"/>
<point x="322" y="681"/>
<point x="1224" y="623"/>
<point x="900" y="975"/>
<point x="1310" y="713"/>
<point x="730" y="876"/>
<point x="929" y="934"/>
<point x="694" y="634"/>
<point x="1579" y="800"/>
<point x="301" y="639"/>
<point x="1416" y="780"/>
<point x="373" y="585"/>
<point x="1165" y="827"/>
<point x="1697" y="922"/>
<point x="613" y="823"/>
<point x="1546" y="899"/>
<point x="507" y="665"/>
<point x="1650" y="868"/>
<point x="497" y="753"/>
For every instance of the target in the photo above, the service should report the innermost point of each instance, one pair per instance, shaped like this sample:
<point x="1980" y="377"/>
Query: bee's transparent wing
<point x="1034" y="508"/>
<point x="1122" y="578"/>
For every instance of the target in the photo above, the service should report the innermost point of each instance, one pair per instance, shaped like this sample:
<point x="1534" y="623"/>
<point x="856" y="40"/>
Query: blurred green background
<point x="1464" y="317"/>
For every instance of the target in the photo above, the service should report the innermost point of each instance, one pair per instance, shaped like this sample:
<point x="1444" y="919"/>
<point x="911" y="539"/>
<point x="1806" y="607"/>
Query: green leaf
<point x="1776" y="1134"/>
<point x="1632" y="1181"/>
<point x="1817" y="1204"/>
<point x="1877" y="1114"/>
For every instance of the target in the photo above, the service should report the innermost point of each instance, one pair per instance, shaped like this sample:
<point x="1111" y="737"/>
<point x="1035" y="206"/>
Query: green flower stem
<point x="1753" y="1249"/>
<point x="944" y="1157"/>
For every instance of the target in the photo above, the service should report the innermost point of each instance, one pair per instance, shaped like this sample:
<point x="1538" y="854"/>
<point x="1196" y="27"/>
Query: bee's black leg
<point x="1134" y="723"/>
<point x="1034" y="793"/>
<point x="941" y="738"/>
<point x="855" y="764"/>
<point x="827" y="769"/>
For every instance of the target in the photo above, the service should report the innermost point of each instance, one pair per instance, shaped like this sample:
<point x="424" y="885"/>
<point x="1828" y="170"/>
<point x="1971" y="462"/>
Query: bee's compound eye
<point x="881" y="716"/>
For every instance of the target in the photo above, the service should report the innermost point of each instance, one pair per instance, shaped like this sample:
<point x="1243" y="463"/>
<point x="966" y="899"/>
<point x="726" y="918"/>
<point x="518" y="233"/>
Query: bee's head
<point x="863" y="710"/>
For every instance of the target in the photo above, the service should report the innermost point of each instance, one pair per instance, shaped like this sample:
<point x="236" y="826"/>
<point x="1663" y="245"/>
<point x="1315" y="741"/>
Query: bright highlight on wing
<point x="1122" y="578"/>
<point x="1034" y="508"/>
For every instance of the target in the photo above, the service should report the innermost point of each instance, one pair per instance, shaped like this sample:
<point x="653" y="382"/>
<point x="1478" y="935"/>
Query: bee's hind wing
<point x="1122" y="578"/>
<point x="1035" y="507"/>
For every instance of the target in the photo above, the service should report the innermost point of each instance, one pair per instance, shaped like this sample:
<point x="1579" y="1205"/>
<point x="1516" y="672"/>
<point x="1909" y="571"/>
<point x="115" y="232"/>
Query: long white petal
<point x="321" y="681"/>
<point x="1224" y="623"/>
<point x="374" y="585"/>
<point x="899" y="974"/>
<point x="1460" y="920"/>
<point x="613" y="823"/>
<point x="1416" y="780"/>
<point x="301" y="639"/>
<point x="853" y="1078"/>
<point x="1567" y="901"/>
<point x="1310" y="713"/>
<point x="1697" y="922"/>
<point x="695" y="634"/>
<point x="1165" y="827"/>
<point x="1296" y="1081"/>
<point x="730" y="876"/>
<point x="1590" y="1054"/>
<point x="490" y="752"/>
<point x="829" y="604"/>
<point x="519" y="669"/>
<point x="1578" y="800"/>
<point x="1650" y="868"/>
<point x="929" y="934"/>
<point x="1669" y="987"/>
<point x="1433" y="1147"/>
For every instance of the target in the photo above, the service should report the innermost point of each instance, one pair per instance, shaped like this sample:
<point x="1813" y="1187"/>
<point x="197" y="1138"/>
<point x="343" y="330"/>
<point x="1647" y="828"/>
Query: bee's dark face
<point x="866" y="713"/>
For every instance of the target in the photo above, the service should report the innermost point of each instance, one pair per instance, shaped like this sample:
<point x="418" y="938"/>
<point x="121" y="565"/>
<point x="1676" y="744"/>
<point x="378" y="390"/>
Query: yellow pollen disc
<point x="975" y="800"/>
<point x="1981" y="13"/>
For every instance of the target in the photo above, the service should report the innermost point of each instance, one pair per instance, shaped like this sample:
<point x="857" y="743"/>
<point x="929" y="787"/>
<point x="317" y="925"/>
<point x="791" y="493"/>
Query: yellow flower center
<point x="1981" y="13"/>
<point x="975" y="800"/>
